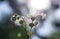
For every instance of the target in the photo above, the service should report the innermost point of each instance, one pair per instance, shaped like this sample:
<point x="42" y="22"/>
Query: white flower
<point x="17" y="19"/>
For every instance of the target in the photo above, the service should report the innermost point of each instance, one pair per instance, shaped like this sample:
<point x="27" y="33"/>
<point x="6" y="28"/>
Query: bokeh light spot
<point x="19" y="34"/>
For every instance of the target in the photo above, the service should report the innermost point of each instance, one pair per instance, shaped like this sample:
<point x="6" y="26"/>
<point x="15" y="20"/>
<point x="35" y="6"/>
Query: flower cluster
<point x="17" y="19"/>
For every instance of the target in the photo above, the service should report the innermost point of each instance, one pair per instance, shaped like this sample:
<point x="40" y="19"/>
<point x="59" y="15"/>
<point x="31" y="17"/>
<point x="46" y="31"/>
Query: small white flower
<point x="17" y="19"/>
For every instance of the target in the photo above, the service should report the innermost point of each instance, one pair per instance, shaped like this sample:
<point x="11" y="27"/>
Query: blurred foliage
<point x="9" y="30"/>
<point x="55" y="36"/>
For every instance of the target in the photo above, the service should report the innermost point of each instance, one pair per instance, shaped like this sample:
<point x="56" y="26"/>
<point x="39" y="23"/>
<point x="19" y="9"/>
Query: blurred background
<point x="8" y="30"/>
